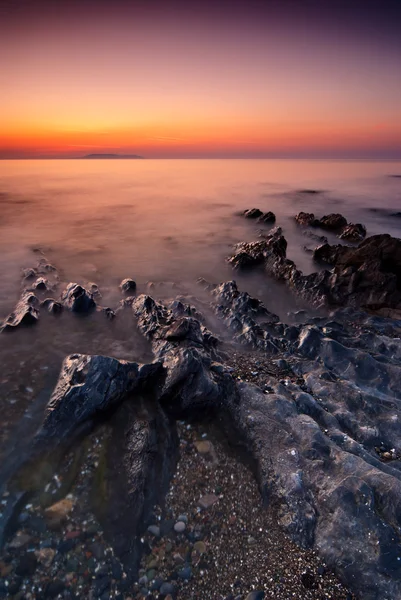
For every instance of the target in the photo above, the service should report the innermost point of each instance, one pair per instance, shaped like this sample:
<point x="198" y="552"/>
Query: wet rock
<point x="304" y="219"/>
<point x="167" y="588"/>
<point x="353" y="233"/>
<point x="41" y="285"/>
<point x="25" y="313"/>
<point x="109" y="313"/>
<point x="29" y="274"/>
<point x="267" y="217"/>
<point x="255" y="596"/>
<point x="87" y="386"/>
<point x="128" y="287"/>
<point x="77" y="299"/>
<point x="333" y="222"/>
<point x="154" y="530"/>
<point x="93" y="289"/>
<point x="252" y="213"/>
<point x="52" y="306"/>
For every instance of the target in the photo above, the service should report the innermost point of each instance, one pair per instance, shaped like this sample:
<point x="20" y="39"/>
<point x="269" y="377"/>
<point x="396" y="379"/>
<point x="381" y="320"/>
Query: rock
<point x="52" y="306"/>
<point x="29" y="274"/>
<point x="333" y="222"/>
<point x="207" y="501"/>
<point x="77" y="299"/>
<point x="26" y="565"/>
<point x="267" y="217"/>
<point x="185" y="573"/>
<point x="255" y="595"/>
<point x="167" y="588"/>
<point x="252" y="213"/>
<point x="45" y="556"/>
<point x="87" y="386"/>
<point x="306" y="219"/>
<point x="353" y="233"/>
<point x="128" y="286"/>
<point x="25" y="313"/>
<point x="109" y="313"/>
<point x="54" y="588"/>
<point x="41" y="285"/>
<point x="200" y="547"/>
<point x="154" y="530"/>
<point x="179" y="527"/>
<point x="58" y="512"/>
<point x="20" y="540"/>
<point x="93" y="289"/>
<point x="309" y="581"/>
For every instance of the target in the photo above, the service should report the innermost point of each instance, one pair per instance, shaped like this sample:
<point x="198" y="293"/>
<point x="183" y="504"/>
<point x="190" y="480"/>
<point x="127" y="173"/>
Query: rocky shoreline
<point x="311" y="405"/>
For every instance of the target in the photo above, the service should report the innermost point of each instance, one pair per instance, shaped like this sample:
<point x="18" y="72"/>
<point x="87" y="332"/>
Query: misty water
<point x="161" y="221"/>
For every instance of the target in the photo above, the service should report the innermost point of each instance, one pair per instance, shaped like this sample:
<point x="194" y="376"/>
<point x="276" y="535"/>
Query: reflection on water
<point x="156" y="220"/>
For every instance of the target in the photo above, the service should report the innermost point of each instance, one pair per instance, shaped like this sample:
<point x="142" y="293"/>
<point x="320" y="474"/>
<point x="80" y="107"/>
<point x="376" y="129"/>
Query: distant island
<point x="112" y="156"/>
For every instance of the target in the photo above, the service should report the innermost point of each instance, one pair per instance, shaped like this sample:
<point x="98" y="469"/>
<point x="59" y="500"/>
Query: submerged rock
<point x="305" y="219"/>
<point x="78" y="299"/>
<point x="128" y="286"/>
<point x="25" y="313"/>
<point x="252" y="213"/>
<point x="353" y="233"/>
<point x="332" y="222"/>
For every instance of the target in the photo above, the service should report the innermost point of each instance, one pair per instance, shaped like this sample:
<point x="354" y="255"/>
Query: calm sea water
<point x="157" y="220"/>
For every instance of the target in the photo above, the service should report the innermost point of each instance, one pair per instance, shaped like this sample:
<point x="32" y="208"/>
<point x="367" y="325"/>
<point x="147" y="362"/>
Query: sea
<point x="161" y="222"/>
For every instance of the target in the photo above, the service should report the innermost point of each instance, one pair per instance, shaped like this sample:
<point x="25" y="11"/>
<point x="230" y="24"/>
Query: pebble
<point x="167" y="588"/>
<point x="154" y="530"/>
<point x="255" y="596"/>
<point x="207" y="501"/>
<point x="179" y="527"/>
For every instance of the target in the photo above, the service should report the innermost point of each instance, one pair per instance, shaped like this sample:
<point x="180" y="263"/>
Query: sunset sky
<point x="222" y="79"/>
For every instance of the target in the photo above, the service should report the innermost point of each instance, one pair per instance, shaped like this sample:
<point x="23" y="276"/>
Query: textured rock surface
<point x="78" y="299"/>
<point x="25" y="313"/>
<point x="353" y="233"/>
<point x="366" y="276"/>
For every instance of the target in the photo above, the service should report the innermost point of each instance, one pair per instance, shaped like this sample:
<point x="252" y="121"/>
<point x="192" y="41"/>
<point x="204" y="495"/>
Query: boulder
<point x="332" y="222"/>
<point x="353" y="233"/>
<point x="52" y="306"/>
<point x="77" y="299"/>
<point x="306" y="219"/>
<point x="267" y="217"/>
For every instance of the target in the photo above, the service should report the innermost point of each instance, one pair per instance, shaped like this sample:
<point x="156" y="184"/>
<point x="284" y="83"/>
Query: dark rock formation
<point x="333" y="222"/>
<point x="306" y="219"/>
<point x="78" y="299"/>
<point x="252" y="213"/>
<point x="88" y="386"/>
<point x="128" y="286"/>
<point x="267" y="217"/>
<point x="321" y="239"/>
<point x="25" y="313"/>
<point x="52" y="306"/>
<point x="367" y="276"/>
<point x="353" y="233"/>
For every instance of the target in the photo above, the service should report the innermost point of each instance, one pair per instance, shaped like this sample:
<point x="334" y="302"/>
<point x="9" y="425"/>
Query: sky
<point x="247" y="78"/>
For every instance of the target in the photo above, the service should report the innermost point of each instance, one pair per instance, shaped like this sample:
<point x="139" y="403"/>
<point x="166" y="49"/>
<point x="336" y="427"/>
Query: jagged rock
<point x="128" y="286"/>
<point x="93" y="289"/>
<point x="25" y="313"/>
<point x="78" y="299"/>
<point x="267" y="217"/>
<point x="87" y="387"/>
<point x="353" y="233"/>
<point x="306" y="219"/>
<point x="252" y="213"/>
<point x="52" y="306"/>
<point x="41" y="285"/>
<point x="29" y="274"/>
<point x="109" y="313"/>
<point x="332" y="222"/>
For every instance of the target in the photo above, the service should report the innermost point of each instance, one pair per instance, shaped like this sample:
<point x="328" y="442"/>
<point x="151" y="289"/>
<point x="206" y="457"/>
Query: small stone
<point x="20" y="540"/>
<point x="185" y="573"/>
<point x="45" y="556"/>
<point x="26" y="565"/>
<point x="58" y="512"/>
<point x="200" y="547"/>
<point x="255" y="595"/>
<point x="207" y="501"/>
<point x="179" y="527"/>
<point x="154" y="530"/>
<point x="167" y="589"/>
